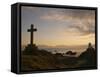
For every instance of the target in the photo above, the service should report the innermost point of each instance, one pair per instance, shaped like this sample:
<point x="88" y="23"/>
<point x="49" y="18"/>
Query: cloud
<point x="68" y="14"/>
<point x="52" y="15"/>
<point x="74" y="13"/>
<point x="82" y="27"/>
<point x="81" y="22"/>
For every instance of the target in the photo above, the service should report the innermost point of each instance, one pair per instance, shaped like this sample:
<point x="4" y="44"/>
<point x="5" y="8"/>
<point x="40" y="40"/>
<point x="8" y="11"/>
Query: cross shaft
<point x="32" y="30"/>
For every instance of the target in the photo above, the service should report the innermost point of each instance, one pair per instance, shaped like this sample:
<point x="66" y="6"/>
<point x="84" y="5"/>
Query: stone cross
<point x="32" y="30"/>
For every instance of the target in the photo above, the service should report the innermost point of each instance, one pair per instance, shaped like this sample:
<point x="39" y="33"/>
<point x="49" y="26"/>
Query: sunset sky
<point x="55" y="27"/>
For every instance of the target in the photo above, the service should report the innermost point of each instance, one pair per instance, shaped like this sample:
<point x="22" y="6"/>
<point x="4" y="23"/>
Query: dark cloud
<point x="82" y="21"/>
<point x="76" y="13"/>
<point x="83" y="28"/>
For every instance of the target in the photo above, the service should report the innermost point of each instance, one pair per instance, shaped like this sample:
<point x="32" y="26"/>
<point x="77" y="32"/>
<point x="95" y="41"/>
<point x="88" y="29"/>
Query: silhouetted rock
<point x="58" y="54"/>
<point x="89" y="56"/>
<point x="71" y="53"/>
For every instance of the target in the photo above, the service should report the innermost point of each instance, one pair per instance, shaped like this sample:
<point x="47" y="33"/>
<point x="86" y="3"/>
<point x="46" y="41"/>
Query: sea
<point x="63" y="49"/>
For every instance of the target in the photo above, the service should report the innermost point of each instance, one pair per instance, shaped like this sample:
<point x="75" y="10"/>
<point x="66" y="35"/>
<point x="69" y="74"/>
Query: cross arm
<point x="28" y="30"/>
<point x="35" y="29"/>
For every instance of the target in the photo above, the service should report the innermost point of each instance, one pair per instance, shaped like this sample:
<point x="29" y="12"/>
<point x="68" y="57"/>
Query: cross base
<point x="30" y="49"/>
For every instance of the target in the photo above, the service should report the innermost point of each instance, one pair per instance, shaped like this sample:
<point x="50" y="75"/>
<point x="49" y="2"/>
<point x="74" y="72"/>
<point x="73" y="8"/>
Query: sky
<point x="58" y="27"/>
